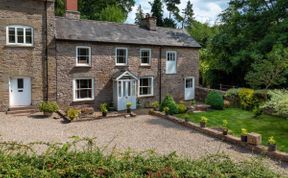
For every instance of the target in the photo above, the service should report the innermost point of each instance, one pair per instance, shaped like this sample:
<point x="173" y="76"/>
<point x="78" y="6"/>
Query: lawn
<point x="238" y="119"/>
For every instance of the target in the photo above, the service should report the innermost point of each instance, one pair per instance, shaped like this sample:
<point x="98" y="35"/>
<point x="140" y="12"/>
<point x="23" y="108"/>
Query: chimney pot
<point x="72" y="9"/>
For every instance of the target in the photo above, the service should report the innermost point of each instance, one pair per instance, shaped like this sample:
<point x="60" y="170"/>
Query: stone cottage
<point x="85" y="63"/>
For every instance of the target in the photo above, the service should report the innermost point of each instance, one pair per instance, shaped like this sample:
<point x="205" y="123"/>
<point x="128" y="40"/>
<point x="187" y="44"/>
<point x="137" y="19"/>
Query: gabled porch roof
<point x="124" y="75"/>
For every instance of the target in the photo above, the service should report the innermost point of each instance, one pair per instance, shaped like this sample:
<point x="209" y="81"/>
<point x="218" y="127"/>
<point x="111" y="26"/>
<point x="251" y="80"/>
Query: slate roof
<point x="96" y="31"/>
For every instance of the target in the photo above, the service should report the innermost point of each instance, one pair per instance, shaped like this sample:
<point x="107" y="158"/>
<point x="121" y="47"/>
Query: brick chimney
<point x="72" y="9"/>
<point x="149" y="22"/>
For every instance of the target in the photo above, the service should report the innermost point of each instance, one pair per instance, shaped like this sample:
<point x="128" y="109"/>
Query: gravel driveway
<point x="140" y="133"/>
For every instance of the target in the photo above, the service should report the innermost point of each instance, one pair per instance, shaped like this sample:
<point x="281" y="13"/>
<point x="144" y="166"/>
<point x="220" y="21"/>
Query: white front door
<point x="126" y="94"/>
<point x="20" y="91"/>
<point x="189" y="88"/>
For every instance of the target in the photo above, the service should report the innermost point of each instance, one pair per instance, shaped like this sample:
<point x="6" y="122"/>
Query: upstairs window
<point x="121" y="56"/>
<point x="83" y="89"/>
<point x="83" y="56"/>
<point x="146" y="86"/>
<point x="145" y="56"/>
<point x="171" y="58"/>
<point x="19" y="35"/>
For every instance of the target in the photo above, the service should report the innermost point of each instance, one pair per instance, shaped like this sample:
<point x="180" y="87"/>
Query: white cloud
<point x="205" y="10"/>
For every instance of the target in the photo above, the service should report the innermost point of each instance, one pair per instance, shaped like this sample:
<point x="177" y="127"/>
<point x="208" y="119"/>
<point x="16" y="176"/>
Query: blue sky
<point x="205" y="10"/>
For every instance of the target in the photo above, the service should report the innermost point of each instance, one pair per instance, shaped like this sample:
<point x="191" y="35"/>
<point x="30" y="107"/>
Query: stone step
<point x="21" y="108"/>
<point x="24" y="111"/>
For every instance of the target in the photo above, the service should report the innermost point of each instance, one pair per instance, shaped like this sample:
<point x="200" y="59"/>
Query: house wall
<point x="103" y="68"/>
<point x="23" y="61"/>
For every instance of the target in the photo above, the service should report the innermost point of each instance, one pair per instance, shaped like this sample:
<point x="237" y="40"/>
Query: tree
<point x="170" y="23"/>
<point x="59" y="7"/>
<point x="139" y="15"/>
<point x="112" y="14"/>
<point x="172" y="7"/>
<point x="271" y="71"/>
<point x="157" y="11"/>
<point x="188" y="14"/>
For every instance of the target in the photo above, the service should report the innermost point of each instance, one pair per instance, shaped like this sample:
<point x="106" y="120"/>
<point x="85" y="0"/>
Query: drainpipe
<point x="160" y="74"/>
<point x="46" y="52"/>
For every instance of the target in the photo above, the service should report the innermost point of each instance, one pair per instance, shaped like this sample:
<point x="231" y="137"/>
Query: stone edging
<point x="228" y="138"/>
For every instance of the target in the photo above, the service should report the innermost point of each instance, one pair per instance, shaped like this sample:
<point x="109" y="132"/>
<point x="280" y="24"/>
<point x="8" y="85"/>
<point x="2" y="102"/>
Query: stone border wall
<point x="228" y="138"/>
<point x="201" y="93"/>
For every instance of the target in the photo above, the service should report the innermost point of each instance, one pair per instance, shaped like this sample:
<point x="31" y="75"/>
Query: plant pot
<point x="47" y="114"/>
<point x="272" y="148"/>
<point x="244" y="138"/>
<point x="202" y="124"/>
<point x="129" y="111"/>
<point x="104" y="114"/>
<point x="225" y="132"/>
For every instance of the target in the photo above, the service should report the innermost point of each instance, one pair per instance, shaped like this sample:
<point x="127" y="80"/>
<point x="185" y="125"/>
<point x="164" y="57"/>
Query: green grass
<point x="238" y="119"/>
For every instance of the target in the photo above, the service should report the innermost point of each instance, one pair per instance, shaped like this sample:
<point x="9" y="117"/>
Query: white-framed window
<point x="83" y="89"/>
<point x="83" y="56"/>
<point x="146" y="86"/>
<point x="171" y="62"/>
<point x="19" y="35"/>
<point x="121" y="56"/>
<point x="145" y="57"/>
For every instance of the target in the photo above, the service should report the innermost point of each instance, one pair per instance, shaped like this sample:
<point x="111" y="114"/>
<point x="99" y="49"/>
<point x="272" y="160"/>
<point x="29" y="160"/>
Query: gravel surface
<point x="140" y="133"/>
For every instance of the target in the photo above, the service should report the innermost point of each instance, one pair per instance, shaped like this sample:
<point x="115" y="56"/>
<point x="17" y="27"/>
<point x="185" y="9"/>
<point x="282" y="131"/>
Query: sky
<point x="205" y="10"/>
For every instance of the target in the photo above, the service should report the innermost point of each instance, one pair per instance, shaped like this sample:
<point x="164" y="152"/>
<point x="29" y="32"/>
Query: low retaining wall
<point x="201" y="93"/>
<point x="228" y="138"/>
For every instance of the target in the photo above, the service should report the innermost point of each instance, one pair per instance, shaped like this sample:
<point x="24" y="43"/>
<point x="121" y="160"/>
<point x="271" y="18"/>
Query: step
<point x="25" y="111"/>
<point x="21" y="108"/>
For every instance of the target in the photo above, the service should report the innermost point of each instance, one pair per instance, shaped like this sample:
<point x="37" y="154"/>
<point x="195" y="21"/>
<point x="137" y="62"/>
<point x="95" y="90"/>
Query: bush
<point x="49" y="107"/>
<point x="278" y="103"/>
<point x="182" y="108"/>
<point x="104" y="107"/>
<point x="247" y="99"/>
<point x="215" y="100"/>
<point x="73" y="113"/>
<point x="155" y="105"/>
<point x="170" y="103"/>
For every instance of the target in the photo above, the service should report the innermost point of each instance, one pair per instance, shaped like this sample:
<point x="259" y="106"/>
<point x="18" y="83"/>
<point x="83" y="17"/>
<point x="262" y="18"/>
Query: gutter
<point x="160" y="74"/>
<point x="46" y="52"/>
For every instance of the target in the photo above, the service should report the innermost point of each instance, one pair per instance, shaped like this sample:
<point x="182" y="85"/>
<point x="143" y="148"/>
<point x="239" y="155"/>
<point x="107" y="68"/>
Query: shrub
<point x="204" y="120"/>
<point x="73" y="113"/>
<point x="215" y="100"/>
<point x="278" y="103"/>
<point x="247" y="99"/>
<point x="128" y="105"/>
<point x="257" y="112"/>
<point x="271" y="141"/>
<point x="182" y="108"/>
<point x="49" y="107"/>
<point x="244" y="132"/>
<point x="155" y="105"/>
<point x="104" y="107"/>
<point x="166" y="110"/>
<point x="170" y="103"/>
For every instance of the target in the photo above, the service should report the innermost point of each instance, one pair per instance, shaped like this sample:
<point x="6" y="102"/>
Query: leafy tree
<point x="271" y="71"/>
<point x="139" y="15"/>
<point x="59" y="7"/>
<point x="157" y="11"/>
<point x="188" y="14"/>
<point x="170" y="23"/>
<point x="172" y="7"/>
<point x="112" y="14"/>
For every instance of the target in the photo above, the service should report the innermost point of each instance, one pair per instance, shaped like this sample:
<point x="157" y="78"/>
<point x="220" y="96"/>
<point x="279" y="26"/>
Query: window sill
<point x="171" y="73"/>
<point x="120" y="65"/>
<point x="146" y="96"/>
<point x="83" y="100"/>
<point x="19" y="46"/>
<point x="85" y="66"/>
<point x="145" y="65"/>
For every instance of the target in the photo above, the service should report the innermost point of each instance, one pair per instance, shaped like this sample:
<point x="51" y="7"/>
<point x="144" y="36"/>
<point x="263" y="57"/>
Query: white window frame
<point x="152" y="86"/>
<point x="145" y="49"/>
<point x="75" y="99"/>
<point x="90" y="56"/>
<point x="16" y="35"/>
<point x="126" y="59"/>
<point x="174" y="52"/>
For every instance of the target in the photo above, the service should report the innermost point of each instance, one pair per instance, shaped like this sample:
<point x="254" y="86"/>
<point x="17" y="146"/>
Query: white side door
<point x="20" y="92"/>
<point x="189" y="88"/>
<point x="126" y="94"/>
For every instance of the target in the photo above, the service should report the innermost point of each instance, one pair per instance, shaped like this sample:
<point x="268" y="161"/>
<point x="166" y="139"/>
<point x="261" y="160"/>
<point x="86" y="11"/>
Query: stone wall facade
<point x="103" y="68"/>
<point x="18" y="61"/>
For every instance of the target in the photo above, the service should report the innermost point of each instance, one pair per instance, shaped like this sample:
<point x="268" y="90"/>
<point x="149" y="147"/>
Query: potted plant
<point x="203" y="122"/>
<point x="166" y="110"/>
<point x="73" y="113"/>
<point x="272" y="144"/>
<point x="155" y="105"/>
<point x="128" y="106"/>
<point x="103" y="109"/>
<point x="244" y="134"/>
<point x="48" y="108"/>
<point x="225" y="127"/>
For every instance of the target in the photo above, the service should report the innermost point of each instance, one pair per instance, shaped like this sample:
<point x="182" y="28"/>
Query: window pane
<point x="119" y="89"/>
<point x="29" y="36"/>
<point x="20" y="83"/>
<point x="145" y="56"/>
<point x="20" y="35"/>
<point x="12" y="35"/>
<point x="83" y="51"/>
<point x="84" y="88"/>
<point x="145" y="86"/>
<point x="121" y="56"/>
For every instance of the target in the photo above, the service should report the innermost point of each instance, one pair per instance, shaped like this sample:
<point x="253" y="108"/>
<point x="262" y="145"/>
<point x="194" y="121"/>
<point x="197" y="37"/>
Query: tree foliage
<point x="157" y="11"/>
<point x="112" y="14"/>
<point x="139" y="15"/>
<point x="188" y="14"/>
